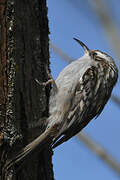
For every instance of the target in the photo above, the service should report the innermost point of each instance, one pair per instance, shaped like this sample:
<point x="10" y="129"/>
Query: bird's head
<point x="96" y="55"/>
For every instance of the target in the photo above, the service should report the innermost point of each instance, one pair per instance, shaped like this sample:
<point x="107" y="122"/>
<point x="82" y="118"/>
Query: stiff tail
<point x="36" y="145"/>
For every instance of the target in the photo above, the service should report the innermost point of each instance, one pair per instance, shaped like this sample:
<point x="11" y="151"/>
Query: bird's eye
<point x="94" y="55"/>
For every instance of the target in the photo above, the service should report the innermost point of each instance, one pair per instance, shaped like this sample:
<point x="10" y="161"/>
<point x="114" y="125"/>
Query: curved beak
<point x="83" y="45"/>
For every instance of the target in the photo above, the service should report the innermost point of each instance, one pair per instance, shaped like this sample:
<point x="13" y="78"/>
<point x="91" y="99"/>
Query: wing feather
<point x="80" y="112"/>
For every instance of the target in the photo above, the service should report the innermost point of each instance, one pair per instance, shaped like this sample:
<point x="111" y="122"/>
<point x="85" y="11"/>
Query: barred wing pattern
<point x="91" y="95"/>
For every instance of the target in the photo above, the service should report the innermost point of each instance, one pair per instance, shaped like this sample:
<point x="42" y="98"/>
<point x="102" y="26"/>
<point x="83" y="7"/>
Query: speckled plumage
<point x="83" y="89"/>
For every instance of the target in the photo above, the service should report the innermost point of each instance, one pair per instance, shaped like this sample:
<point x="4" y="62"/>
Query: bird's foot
<point x="50" y="81"/>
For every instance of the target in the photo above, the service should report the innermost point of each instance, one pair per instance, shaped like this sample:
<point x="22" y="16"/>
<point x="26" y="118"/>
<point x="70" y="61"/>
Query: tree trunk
<point x="24" y="57"/>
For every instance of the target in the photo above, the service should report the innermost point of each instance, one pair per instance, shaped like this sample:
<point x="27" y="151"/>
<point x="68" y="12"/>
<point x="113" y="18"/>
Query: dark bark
<point x="24" y="57"/>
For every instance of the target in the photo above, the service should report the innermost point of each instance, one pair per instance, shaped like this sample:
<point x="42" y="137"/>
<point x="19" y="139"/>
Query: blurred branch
<point x="59" y="52"/>
<point x="100" y="151"/>
<point x="101" y="7"/>
<point x="115" y="99"/>
<point x="69" y="59"/>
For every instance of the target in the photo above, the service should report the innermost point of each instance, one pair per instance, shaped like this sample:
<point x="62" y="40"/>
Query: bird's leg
<point x="51" y="80"/>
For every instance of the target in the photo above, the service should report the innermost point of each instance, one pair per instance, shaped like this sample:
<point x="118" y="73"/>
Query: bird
<point x="78" y="95"/>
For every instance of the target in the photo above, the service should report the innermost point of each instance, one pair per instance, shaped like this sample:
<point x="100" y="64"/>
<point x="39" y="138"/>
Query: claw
<point x="51" y="80"/>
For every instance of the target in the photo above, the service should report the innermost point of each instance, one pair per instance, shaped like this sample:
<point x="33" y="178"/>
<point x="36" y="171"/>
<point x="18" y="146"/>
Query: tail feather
<point x="59" y="141"/>
<point x="36" y="145"/>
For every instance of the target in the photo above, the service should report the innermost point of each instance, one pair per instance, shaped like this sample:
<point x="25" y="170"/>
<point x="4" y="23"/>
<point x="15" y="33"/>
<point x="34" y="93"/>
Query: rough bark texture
<point x="24" y="57"/>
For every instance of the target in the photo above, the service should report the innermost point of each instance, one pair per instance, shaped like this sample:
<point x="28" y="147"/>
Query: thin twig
<point x="116" y="100"/>
<point x="59" y="52"/>
<point x="100" y="151"/>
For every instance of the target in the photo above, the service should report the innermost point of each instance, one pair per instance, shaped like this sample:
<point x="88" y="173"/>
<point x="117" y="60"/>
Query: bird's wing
<point x="81" y="111"/>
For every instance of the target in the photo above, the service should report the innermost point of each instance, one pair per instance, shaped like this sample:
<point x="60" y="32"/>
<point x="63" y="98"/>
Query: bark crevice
<point x="24" y="105"/>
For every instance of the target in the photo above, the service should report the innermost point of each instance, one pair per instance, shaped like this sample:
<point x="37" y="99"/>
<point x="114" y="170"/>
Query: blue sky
<point x="67" y="19"/>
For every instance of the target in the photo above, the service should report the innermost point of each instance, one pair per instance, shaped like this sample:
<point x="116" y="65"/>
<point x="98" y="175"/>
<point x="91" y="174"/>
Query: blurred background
<point x="94" y="154"/>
